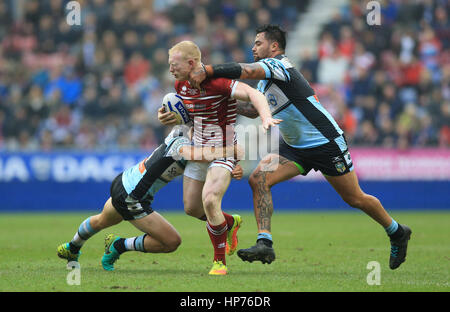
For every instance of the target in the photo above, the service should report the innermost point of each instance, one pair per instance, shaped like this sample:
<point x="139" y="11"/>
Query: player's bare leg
<point x="216" y="184"/>
<point x="108" y="217"/>
<point x="348" y="188"/>
<point x="272" y="170"/>
<point x="193" y="206"/>
<point x="160" y="236"/>
<point x="89" y="227"/>
<point x="192" y="198"/>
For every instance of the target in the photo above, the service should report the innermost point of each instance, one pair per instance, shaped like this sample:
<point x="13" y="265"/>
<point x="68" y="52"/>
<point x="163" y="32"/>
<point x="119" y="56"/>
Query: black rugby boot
<point x="399" y="247"/>
<point x="259" y="252"/>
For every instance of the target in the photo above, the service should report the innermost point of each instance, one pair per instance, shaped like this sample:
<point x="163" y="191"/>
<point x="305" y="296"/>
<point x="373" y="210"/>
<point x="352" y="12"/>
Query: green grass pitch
<point x="316" y="252"/>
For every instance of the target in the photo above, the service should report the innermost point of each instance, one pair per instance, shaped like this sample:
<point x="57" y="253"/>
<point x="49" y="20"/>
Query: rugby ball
<point x="172" y="102"/>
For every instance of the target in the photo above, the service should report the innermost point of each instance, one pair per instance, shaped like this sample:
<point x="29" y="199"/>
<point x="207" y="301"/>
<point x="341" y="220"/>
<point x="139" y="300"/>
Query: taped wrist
<point x="228" y="70"/>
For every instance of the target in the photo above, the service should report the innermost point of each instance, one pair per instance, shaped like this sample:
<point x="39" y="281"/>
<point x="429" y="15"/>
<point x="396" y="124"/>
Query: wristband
<point x="228" y="70"/>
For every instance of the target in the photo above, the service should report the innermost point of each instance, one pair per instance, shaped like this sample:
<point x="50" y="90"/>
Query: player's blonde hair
<point x="188" y="49"/>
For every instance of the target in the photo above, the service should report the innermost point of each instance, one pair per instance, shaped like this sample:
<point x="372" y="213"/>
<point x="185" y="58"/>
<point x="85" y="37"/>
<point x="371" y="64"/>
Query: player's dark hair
<point x="273" y="33"/>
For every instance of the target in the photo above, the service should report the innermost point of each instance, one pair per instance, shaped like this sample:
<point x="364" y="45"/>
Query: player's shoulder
<point x="277" y="61"/>
<point x="217" y="84"/>
<point x="277" y="68"/>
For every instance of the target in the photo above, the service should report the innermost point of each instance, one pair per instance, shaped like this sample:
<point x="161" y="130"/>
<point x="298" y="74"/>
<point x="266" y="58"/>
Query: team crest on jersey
<point x="340" y="167"/>
<point x="188" y="91"/>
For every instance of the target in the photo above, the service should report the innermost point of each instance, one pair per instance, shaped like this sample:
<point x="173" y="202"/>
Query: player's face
<point x="261" y="48"/>
<point x="179" y="67"/>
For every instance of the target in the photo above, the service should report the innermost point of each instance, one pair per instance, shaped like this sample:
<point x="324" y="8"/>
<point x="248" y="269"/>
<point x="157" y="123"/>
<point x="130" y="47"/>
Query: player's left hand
<point x="237" y="172"/>
<point x="270" y="122"/>
<point x="166" y="118"/>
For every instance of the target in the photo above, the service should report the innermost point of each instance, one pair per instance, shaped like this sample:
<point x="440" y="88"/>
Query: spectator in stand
<point x="115" y="64"/>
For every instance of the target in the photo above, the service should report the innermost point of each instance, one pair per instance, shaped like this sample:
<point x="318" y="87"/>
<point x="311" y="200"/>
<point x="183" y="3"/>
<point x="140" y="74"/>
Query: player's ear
<point x="274" y="46"/>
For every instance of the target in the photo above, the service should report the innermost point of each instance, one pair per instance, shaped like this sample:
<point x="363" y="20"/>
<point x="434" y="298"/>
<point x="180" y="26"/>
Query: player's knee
<point x="189" y="211"/>
<point x="96" y="222"/>
<point x="210" y="200"/>
<point x="258" y="178"/>
<point x="354" y="200"/>
<point x="173" y="243"/>
<point x="195" y="211"/>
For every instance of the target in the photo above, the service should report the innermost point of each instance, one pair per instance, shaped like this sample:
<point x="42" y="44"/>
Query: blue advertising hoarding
<point x="70" y="181"/>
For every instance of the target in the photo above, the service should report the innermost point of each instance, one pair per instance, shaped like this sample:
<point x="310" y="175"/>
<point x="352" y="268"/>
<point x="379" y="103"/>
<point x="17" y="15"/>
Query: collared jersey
<point x="213" y="110"/>
<point x="306" y="123"/>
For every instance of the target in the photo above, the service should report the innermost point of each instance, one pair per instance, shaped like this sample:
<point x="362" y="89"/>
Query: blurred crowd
<point x="98" y="85"/>
<point x="387" y="85"/>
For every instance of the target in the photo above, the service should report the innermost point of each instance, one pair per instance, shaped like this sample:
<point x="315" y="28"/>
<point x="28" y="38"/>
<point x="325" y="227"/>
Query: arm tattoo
<point x="252" y="71"/>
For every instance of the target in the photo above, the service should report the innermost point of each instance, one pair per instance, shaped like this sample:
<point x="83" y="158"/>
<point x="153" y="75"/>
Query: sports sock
<point x="266" y="238"/>
<point x="85" y="231"/>
<point x="229" y="219"/>
<point x="394" y="231"/>
<point x="130" y="244"/>
<point x="218" y="236"/>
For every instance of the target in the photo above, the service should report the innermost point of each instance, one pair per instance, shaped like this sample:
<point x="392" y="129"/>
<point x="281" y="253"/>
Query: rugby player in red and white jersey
<point x="213" y="110"/>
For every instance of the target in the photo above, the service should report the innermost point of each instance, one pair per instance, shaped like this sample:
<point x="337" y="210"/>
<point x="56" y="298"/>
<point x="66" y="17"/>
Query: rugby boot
<point x="218" y="268"/>
<point x="63" y="251"/>
<point x="399" y="247"/>
<point x="259" y="252"/>
<point x="232" y="238"/>
<point x="111" y="254"/>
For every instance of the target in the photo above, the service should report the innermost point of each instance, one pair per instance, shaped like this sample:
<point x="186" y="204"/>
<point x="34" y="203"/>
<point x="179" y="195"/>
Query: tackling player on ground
<point x="213" y="110"/>
<point x="132" y="193"/>
<point x="310" y="139"/>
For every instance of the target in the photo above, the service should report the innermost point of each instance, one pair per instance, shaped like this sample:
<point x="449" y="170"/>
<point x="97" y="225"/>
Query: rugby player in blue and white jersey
<point x="310" y="139"/>
<point x="132" y="193"/>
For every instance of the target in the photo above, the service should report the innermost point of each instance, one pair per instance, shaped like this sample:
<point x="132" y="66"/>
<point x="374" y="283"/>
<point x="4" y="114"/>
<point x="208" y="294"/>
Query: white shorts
<point x="197" y="170"/>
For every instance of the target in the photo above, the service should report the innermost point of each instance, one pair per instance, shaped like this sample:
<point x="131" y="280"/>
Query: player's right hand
<point x="270" y="122"/>
<point x="237" y="172"/>
<point x="166" y="118"/>
<point x="197" y="76"/>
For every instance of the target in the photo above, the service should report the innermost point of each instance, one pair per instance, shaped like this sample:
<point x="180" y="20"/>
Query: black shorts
<point x="118" y="196"/>
<point x="332" y="159"/>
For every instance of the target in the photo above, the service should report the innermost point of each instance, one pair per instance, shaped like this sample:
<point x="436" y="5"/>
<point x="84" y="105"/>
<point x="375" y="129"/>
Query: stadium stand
<point x="69" y="87"/>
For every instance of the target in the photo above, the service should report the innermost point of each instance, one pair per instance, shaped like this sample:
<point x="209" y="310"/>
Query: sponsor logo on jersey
<point x="184" y="114"/>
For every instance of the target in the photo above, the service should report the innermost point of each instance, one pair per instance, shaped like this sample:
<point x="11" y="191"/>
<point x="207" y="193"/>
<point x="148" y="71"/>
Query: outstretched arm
<point x="246" y="93"/>
<point x="246" y="109"/>
<point x="231" y="70"/>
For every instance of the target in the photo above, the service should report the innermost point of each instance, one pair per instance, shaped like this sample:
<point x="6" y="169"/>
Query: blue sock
<point x="139" y="243"/>
<point x="85" y="231"/>
<point x="391" y="229"/>
<point x="134" y="243"/>
<point x="265" y="238"/>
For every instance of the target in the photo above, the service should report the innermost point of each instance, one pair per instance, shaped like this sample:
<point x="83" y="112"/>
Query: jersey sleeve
<point x="274" y="69"/>
<point x="155" y="165"/>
